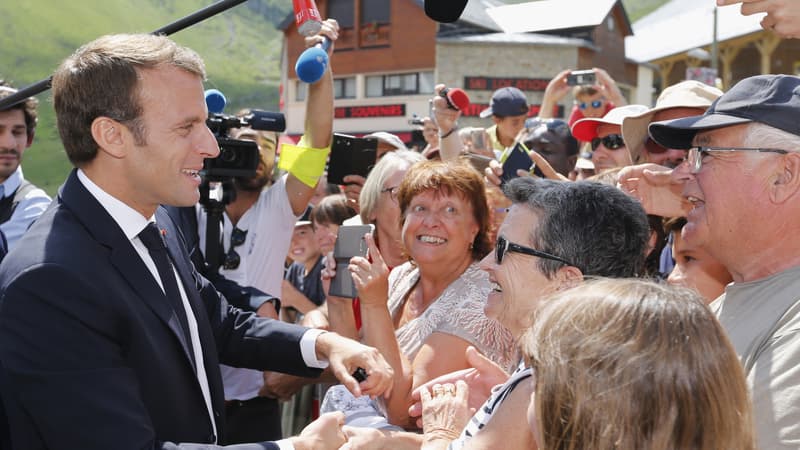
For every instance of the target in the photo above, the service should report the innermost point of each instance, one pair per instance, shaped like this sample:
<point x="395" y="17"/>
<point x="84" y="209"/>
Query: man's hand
<point x="445" y="117"/>
<point x="330" y="30"/>
<point x="346" y="355"/>
<point x="481" y="378"/>
<point x="322" y="434"/>
<point x="609" y="87"/>
<point x="783" y="16"/>
<point x="655" y="188"/>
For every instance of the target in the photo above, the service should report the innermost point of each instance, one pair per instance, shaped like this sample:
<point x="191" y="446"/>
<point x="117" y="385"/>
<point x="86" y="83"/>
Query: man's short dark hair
<point x="597" y="227"/>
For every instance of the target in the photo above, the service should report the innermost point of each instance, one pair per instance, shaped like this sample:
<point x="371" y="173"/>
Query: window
<point x="344" y="87"/>
<point x="375" y="86"/>
<point x="343" y="11"/>
<point x="611" y="24"/>
<point x="400" y="84"/>
<point x="375" y="11"/>
<point x="300" y="92"/>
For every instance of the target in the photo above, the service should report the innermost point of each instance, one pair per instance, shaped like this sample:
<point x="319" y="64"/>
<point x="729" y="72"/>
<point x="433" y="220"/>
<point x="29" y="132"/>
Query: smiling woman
<point x="423" y="317"/>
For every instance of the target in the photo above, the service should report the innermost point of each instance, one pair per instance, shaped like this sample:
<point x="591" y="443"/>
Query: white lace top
<point x="458" y="311"/>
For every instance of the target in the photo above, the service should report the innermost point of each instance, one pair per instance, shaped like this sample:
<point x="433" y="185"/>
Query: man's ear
<point x="110" y="136"/>
<point x="30" y="138"/>
<point x="786" y="182"/>
<point x="569" y="276"/>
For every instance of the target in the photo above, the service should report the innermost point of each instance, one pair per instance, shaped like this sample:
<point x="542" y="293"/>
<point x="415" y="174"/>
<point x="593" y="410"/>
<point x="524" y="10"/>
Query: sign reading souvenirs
<point x="360" y="112"/>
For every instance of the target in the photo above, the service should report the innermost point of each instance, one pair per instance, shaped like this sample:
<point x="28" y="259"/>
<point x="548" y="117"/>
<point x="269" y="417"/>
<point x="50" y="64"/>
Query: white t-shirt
<point x="269" y="224"/>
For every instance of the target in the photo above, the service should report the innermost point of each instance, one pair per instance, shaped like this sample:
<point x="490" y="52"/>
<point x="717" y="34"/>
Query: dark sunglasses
<point x="611" y="142"/>
<point x="232" y="259"/>
<point x="594" y="103"/>
<point x="654" y="147"/>
<point x="504" y="246"/>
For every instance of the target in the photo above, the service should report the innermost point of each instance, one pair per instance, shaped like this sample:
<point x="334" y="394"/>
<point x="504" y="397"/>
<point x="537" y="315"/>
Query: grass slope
<point x="241" y="50"/>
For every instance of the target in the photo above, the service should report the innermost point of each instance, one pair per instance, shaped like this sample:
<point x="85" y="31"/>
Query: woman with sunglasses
<point x="425" y="314"/>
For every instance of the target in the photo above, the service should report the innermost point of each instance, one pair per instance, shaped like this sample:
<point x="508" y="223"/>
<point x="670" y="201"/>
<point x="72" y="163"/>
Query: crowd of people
<point x="635" y="288"/>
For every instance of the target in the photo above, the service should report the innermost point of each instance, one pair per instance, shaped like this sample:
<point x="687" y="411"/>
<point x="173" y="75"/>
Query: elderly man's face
<point x="726" y="193"/>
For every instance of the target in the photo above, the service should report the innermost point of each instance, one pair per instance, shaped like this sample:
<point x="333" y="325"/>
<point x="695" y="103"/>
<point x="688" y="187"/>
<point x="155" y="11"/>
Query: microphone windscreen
<point x="446" y="11"/>
<point x="458" y="98"/>
<point x="215" y="101"/>
<point x="311" y="64"/>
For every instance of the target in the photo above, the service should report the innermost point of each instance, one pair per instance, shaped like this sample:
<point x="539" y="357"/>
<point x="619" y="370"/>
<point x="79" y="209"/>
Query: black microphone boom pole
<point x="174" y="27"/>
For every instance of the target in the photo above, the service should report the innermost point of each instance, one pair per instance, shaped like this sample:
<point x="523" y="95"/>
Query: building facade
<point x="390" y="55"/>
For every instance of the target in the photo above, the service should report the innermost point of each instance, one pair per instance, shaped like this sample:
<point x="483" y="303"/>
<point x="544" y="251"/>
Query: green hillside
<point x="241" y="48"/>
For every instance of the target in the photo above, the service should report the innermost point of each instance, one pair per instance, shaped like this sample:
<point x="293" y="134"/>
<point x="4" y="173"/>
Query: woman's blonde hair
<point x="630" y="364"/>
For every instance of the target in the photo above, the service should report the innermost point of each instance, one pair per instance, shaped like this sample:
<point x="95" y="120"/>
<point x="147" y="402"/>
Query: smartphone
<point x="513" y="159"/>
<point x="350" y="242"/>
<point x="516" y="158"/>
<point x="479" y="162"/>
<point x="351" y="156"/>
<point x="581" y="77"/>
<point x="478" y="138"/>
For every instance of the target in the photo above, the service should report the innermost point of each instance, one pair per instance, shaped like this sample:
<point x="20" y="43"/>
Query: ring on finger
<point x="450" y="389"/>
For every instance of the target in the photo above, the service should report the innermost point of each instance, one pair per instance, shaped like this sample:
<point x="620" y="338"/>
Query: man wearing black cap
<point x="741" y="179"/>
<point x="509" y="109"/>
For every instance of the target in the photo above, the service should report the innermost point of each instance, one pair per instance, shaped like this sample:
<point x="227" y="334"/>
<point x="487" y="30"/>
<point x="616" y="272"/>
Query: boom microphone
<point x="446" y="11"/>
<point x="456" y="98"/>
<point x="311" y="64"/>
<point x="215" y="101"/>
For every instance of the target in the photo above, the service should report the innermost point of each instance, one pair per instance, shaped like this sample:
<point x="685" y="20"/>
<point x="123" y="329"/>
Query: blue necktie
<point x="151" y="238"/>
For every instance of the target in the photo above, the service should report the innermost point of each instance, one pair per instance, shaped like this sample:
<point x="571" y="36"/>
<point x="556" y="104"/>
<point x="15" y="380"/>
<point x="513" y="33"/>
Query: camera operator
<point x="256" y="233"/>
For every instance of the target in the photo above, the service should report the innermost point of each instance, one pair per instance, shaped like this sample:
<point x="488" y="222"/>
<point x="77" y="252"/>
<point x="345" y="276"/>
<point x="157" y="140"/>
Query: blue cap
<point x="507" y="101"/>
<point x="773" y="100"/>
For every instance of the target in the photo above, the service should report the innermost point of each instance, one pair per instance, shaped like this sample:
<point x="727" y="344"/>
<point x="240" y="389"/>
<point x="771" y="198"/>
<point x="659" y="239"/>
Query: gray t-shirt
<point x="762" y="319"/>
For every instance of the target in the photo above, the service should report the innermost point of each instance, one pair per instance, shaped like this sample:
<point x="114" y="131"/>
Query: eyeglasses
<point x="504" y="246"/>
<point x="654" y="147"/>
<point x="594" y="103"/>
<point x="611" y="142"/>
<point x="232" y="259"/>
<point x="392" y="192"/>
<point x="696" y="154"/>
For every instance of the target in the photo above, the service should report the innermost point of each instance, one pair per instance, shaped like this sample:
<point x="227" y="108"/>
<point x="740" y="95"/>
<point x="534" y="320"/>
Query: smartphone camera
<point x="581" y="77"/>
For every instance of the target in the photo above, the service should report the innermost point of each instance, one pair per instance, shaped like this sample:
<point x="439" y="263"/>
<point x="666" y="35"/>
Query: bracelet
<point x="442" y="136"/>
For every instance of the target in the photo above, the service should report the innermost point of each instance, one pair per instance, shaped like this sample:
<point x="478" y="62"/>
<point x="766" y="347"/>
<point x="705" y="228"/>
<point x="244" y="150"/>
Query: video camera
<point x="238" y="158"/>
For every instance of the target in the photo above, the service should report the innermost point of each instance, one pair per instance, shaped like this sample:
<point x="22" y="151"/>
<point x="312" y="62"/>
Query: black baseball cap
<point x="506" y="102"/>
<point x="773" y="100"/>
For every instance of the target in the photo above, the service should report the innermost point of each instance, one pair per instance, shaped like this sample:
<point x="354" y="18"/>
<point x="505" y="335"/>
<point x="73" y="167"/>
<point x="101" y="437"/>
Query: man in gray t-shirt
<point x="742" y="180"/>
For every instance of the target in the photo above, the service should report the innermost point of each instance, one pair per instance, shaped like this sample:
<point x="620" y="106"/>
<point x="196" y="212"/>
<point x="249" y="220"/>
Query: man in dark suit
<point x="106" y="340"/>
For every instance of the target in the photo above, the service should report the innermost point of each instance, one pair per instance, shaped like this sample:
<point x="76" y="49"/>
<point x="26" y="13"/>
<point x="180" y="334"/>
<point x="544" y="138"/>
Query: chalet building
<point x="390" y="55"/>
<point x="669" y="38"/>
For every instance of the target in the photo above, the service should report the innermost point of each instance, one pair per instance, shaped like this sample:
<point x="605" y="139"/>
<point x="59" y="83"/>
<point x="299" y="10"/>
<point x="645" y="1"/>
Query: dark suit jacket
<point x="92" y="356"/>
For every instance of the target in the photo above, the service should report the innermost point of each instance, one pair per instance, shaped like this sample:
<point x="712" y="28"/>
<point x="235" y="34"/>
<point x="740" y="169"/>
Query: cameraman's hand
<point x="330" y="29"/>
